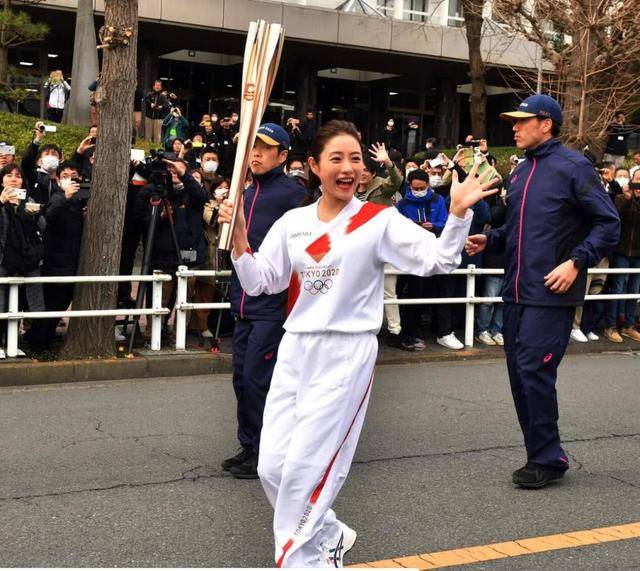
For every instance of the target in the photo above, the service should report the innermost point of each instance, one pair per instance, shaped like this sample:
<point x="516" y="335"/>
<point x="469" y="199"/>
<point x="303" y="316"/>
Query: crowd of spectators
<point x="43" y="203"/>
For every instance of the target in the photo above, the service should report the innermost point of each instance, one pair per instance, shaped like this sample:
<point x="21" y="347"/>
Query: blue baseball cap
<point x="543" y="106"/>
<point x="274" y="135"/>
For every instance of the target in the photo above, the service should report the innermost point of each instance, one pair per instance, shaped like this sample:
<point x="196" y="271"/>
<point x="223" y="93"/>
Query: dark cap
<point x="543" y="106"/>
<point x="274" y="135"/>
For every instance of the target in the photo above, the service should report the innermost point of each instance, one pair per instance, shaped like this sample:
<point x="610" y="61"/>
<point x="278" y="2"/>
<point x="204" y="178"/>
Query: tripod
<point x="158" y="205"/>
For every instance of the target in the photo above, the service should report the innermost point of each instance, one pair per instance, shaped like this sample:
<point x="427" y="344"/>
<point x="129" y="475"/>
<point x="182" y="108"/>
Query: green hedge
<point x="17" y="130"/>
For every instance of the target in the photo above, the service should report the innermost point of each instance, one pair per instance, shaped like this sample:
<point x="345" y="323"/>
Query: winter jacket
<point x="491" y="258"/>
<point x="187" y="205"/>
<point x="62" y="240"/>
<point x="161" y="105"/>
<point x="174" y="128"/>
<point x="265" y="201"/>
<point x="629" y="211"/>
<point x="429" y="208"/>
<point x="380" y="189"/>
<point x="557" y="210"/>
<point x="57" y="93"/>
<point x="39" y="184"/>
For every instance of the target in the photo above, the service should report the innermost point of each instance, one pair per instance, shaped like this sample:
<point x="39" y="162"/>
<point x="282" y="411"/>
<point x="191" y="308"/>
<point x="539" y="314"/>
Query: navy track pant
<point x="255" y="350"/>
<point x="535" y="340"/>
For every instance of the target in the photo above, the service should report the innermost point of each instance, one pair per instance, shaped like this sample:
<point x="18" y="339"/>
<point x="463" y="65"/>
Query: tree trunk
<point x="472" y="12"/>
<point x="101" y="240"/>
<point x="85" y="65"/>
<point x="4" y="50"/>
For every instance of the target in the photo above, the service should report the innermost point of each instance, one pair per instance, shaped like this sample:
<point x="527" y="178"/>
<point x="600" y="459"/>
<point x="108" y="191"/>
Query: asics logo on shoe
<point x="336" y="553"/>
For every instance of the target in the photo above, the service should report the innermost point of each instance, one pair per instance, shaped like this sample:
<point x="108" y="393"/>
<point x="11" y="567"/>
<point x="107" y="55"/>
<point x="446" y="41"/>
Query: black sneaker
<point x="239" y="458"/>
<point x="537" y="475"/>
<point x="248" y="470"/>
<point x="398" y="342"/>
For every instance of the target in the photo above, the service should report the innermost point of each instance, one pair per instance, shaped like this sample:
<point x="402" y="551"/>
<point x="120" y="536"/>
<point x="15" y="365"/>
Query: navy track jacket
<point x="269" y="197"/>
<point x="557" y="209"/>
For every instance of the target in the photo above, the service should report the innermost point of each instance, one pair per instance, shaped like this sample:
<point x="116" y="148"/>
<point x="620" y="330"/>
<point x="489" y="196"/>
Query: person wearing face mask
<point x="185" y="203"/>
<point x="626" y="255"/>
<point x="65" y="216"/>
<point x="389" y="135"/>
<point x="427" y="209"/>
<point x="21" y="247"/>
<point x="40" y="164"/>
<point x="209" y="167"/>
<point x="205" y="287"/>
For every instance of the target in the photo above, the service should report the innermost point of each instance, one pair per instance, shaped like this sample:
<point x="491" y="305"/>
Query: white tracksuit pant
<point x="312" y="421"/>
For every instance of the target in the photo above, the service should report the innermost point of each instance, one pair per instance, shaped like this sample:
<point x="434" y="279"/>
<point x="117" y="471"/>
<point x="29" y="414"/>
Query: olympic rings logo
<point x="318" y="286"/>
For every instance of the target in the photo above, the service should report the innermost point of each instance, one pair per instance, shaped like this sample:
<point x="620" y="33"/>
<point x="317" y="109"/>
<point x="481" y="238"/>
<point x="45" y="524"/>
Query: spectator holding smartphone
<point x="57" y="90"/>
<point x="21" y="247"/>
<point x="39" y="165"/>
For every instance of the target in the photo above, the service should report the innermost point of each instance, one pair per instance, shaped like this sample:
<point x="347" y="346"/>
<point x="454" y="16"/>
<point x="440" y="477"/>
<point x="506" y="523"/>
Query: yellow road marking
<point x="468" y="555"/>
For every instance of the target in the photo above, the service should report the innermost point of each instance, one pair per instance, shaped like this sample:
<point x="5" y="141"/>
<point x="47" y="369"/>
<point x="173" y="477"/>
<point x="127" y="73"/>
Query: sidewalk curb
<point x="192" y="363"/>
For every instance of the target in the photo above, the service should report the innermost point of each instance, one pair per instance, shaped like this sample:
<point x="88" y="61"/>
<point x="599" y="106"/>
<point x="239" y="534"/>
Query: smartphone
<point x="437" y="162"/>
<point x="7" y="150"/>
<point x="50" y="128"/>
<point x="92" y="140"/>
<point x="21" y="194"/>
<point x="32" y="207"/>
<point x="137" y="155"/>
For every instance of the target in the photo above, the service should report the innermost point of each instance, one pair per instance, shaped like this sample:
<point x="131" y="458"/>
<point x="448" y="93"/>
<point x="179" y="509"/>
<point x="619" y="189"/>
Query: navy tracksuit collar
<point x="543" y="150"/>
<point x="269" y="176"/>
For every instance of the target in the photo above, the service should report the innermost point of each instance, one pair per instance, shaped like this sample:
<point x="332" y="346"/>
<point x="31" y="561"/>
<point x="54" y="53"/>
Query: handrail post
<point x="469" y="306"/>
<point x="181" y="315"/>
<point x="156" y="320"/>
<point x="13" y="325"/>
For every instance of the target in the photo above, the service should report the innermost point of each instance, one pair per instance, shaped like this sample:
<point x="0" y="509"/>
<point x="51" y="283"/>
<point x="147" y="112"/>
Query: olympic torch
<point x="260" y="66"/>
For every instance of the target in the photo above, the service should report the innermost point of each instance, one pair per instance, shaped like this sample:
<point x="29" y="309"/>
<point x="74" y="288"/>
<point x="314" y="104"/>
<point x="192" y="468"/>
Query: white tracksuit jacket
<point x="323" y="376"/>
<point x="338" y="265"/>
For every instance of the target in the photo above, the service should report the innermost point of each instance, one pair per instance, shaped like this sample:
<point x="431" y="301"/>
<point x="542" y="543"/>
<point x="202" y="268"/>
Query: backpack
<point x="24" y="247"/>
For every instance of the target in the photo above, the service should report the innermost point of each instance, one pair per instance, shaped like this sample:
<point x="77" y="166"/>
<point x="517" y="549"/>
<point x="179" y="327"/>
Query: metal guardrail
<point x="13" y="315"/>
<point x="182" y="306"/>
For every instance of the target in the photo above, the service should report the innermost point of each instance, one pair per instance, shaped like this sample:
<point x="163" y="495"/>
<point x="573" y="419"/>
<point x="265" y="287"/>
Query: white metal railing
<point x="183" y="306"/>
<point x="13" y="315"/>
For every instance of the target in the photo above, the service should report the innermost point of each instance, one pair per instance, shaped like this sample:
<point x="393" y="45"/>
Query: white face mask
<point x="221" y="193"/>
<point x="435" y="180"/>
<point x="410" y="170"/>
<point x="50" y="163"/>
<point x="419" y="193"/>
<point x="179" y="186"/>
<point x="210" y="167"/>
<point x="622" y="181"/>
<point x="296" y="172"/>
<point x="390" y="123"/>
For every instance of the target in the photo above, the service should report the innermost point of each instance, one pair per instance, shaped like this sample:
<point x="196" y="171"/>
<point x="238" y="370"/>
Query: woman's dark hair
<point x="326" y="133"/>
<point x="6" y="169"/>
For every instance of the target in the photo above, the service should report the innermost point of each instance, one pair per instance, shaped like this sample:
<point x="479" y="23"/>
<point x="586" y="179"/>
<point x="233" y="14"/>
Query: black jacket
<point x="161" y="105"/>
<point x="63" y="236"/>
<point x="188" y="206"/>
<point x="40" y="185"/>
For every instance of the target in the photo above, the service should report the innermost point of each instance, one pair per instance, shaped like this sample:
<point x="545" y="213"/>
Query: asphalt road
<point x="126" y="473"/>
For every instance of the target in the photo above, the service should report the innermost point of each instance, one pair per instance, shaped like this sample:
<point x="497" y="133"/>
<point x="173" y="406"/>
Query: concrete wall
<point x="330" y="27"/>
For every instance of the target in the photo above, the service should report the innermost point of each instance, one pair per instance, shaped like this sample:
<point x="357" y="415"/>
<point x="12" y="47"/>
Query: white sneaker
<point x="450" y="342"/>
<point x="499" y="339"/>
<point x="579" y="336"/>
<point x="20" y="354"/>
<point x="334" y="555"/>
<point x="591" y="336"/>
<point x="485" y="338"/>
<point x="3" y="355"/>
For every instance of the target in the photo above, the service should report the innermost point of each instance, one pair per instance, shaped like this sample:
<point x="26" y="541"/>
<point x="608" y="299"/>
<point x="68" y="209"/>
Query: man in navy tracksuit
<point x="258" y="328"/>
<point x="559" y="222"/>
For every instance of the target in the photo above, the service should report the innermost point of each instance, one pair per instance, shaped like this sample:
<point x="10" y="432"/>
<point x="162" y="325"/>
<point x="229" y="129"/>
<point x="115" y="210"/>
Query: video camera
<point x="159" y="175"/>
<point x="84" y="193"/>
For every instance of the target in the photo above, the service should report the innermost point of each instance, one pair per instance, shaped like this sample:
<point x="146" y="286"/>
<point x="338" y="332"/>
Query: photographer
<point x="183" y="207"/>
<point x="155" y="109"/>
<point x="84" y="153"/>
<point x="39" y="165"/>
<point x="298" y="146"/>
<point x="227" y="141"/>
<point x="65" y="222"/>
<point x="174" y="126"/>
<point x="21" y="248"/>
